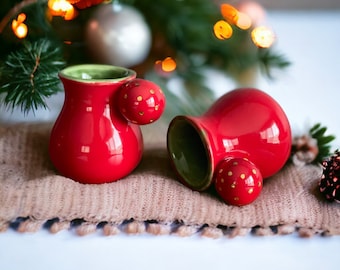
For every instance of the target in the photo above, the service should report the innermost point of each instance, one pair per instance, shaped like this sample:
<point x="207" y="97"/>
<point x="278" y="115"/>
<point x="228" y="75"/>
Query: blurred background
<point x="300" y="4"/>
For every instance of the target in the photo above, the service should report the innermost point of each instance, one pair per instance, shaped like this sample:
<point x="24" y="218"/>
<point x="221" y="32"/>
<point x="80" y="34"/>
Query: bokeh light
<point x="263" y="37"/>
<point x="223" y="30"/>
<point x="244" y="21"/>
<point x="229" y="13"/>
<point x="19" y="28"/>
<point x="62" y="8"/>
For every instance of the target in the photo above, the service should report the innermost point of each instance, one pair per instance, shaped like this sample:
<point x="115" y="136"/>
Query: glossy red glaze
<point x="242" y="123"/>
<point x="238" y="181"/>
<point x="91" y="142"/>
<point x="141" y="101"/>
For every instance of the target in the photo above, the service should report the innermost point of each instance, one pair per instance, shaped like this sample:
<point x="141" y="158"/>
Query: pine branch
<point x="269" y="60"/>
<point x="29" y="75"/>
<point x="318" y="132"/>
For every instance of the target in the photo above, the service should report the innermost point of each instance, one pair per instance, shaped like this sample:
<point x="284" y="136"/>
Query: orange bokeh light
<point x="168" y="64"/>
<point x="19" y="28"/>
<point x="62" y="8"/>
<point x="165" y="67"/>
<point x="223" y="30"/>
<point x="229" y="13"/>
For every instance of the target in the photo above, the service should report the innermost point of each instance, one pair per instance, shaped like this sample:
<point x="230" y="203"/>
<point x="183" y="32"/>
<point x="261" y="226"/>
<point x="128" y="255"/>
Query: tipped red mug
<point x="244" y="123"/>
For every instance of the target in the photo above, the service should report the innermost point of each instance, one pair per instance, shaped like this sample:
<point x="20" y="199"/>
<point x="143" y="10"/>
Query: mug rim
<point x="87" y="73"/>
<point x="181" y="143"/>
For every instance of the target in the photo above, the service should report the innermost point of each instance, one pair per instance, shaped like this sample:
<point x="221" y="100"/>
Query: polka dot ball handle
<point x="141" y="101"/>
<point x="238" y="181"/>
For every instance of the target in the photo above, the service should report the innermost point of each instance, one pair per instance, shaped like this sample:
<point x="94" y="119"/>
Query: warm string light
<point x="229" y="13"/>
<point x="19" y="28"/>
<point x="166" y="66"/>
<point x="262" y="36"/>
<point x="223" y="28"/>
<point x="244" y="22"/>
<point x="62" y="8"/>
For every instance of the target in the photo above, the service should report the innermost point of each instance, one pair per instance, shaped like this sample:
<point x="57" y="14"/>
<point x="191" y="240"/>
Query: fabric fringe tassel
<point x="237" y="231"/>
<point x="110" y="229"/>
<point x="3" y="226"/>
<point x="285" y="229"/>
<point x="82" y="228"/>
<point x="306" y="232"/>
<point x="212" y="232"/>
<point x="30" y="226"/>
<point x="158" y="229"/>
<point x="59" y="226"/>
<point x="262" y="231"/>
<point x="185" y="230"/>
<point x="135" y="227"/>
<point x="86" y="228"/>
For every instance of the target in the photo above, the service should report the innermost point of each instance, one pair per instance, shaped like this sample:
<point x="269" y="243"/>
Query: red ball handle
<point x="141" y="101"/>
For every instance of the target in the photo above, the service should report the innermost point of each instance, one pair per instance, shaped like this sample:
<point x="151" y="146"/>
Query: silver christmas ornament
<point x="118" y="35"/>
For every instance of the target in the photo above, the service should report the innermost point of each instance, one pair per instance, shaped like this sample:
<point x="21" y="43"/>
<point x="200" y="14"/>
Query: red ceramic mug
<point x="96" y="137"/>
<point x="244" y="123"/>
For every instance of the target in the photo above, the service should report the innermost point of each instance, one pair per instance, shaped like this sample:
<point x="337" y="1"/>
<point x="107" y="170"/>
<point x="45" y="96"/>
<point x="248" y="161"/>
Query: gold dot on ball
<point x="152" y="91"/>
<point x="233" y="185"/>
<point x="236" y="198"/>
<point x="235" y="163"/>
<point x="139" y="98"/>
<point x="254" y="171"/>
<point x="242" y="176"/>
<point x="251" y="190"/>
<point x="220" y="171"/>
<point x="222" y="180"/>
<point x="156" y="107"/>
<point x="125" y="96"/>
<point x="230" y="173"/>
<point x="141" y="113"/>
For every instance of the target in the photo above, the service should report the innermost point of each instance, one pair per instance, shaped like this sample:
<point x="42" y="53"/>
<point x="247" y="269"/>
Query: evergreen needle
<point x="30" y="75"/>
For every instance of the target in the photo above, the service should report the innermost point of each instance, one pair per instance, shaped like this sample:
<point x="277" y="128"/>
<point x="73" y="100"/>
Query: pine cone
<point x="304" y="150"/>
<point x="329" y="184"/>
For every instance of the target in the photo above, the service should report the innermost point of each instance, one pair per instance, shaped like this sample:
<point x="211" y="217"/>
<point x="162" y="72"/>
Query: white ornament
<point x="118" y="35"/>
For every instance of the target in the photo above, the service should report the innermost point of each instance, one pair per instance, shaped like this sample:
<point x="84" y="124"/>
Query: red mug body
<point x="245" y="123"/>
<point x="91" y="142"/>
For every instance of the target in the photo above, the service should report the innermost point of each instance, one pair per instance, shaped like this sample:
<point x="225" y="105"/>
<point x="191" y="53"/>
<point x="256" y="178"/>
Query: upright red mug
<point x="96" y="137"/>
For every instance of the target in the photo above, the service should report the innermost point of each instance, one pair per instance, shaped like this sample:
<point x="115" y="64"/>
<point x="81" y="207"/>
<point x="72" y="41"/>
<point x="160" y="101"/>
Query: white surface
<point x="309" y="92"/>
<point x="65" y="251"/>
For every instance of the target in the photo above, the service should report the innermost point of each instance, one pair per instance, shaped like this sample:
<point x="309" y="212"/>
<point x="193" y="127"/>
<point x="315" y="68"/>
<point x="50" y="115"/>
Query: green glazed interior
<point x="96" y="73"/>
<point x="189" y="153"/>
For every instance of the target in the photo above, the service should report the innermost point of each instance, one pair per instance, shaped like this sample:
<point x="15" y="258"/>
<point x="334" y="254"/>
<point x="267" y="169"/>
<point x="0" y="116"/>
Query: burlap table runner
<point x="33" y="195"/>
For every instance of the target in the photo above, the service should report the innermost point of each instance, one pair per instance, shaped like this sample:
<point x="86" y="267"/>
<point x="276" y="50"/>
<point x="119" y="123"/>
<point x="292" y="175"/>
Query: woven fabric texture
<point x="33" y="195"/>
